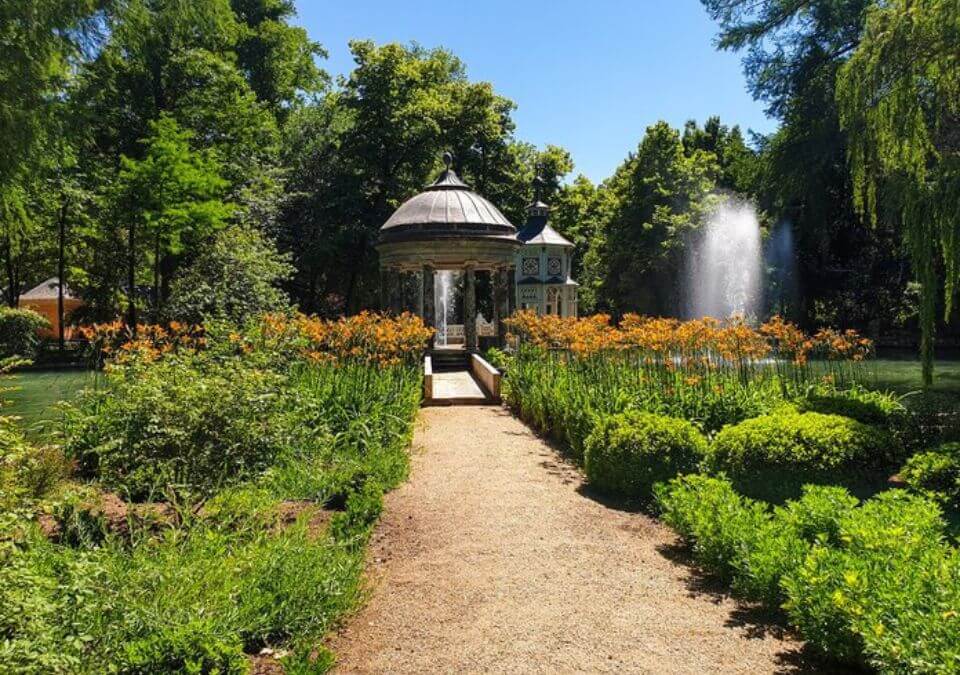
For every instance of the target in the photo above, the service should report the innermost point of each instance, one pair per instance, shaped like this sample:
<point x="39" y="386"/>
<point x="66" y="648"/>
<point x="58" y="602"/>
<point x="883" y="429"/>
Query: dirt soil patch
<point x="494" y="558"/>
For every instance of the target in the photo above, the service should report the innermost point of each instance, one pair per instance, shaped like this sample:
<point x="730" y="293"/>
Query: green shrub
<point x="935" y="473"/>
<point x="870" y="407"/>
<point x="627" y="454"/>
<point x="27" y="472"/>
<point x="873" y="585"/>
<point x="183" y="424"/>
<point x="19" y="332"/>
<point x="711" y="517"/>
<point x="816" y="516"/>
<point x="887" y="593"/>
<point x="773" y="456"/>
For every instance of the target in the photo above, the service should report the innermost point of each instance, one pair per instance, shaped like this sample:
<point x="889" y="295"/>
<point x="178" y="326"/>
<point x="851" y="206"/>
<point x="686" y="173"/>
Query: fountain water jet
<point x="724" y="265"/>
<point x="446" y="281"/>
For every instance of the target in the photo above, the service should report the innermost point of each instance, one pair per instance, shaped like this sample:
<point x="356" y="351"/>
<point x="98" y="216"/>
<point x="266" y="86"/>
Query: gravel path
<point x="493" y="558"/>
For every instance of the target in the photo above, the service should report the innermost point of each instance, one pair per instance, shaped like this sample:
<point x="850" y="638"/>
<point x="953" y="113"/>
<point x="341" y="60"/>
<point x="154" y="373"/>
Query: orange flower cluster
<point x="581" y="336"/>
<point x="147" y="341"/>
<point x="369" y="337"/>
<point x="845" y="346"/>
<point x="701" y="341"/>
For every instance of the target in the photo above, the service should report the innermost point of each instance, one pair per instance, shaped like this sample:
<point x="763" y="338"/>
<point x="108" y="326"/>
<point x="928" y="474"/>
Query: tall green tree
<point x="362" y="150"/>
<point x="168" y="199"/>
<point x="660" y="195"/>
<point x="899" y="98"/>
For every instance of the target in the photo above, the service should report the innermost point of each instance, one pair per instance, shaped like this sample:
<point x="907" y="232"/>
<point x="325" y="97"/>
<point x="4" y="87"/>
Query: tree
<point x="899" y="97"/>
<point x="170" y="198"/>
<point x="659" y="195"/>
<point x="233" y="278"/>
<point x="359" y="152"/>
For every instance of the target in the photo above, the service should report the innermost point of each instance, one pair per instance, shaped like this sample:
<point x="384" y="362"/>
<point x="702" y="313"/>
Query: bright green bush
<point x="870" y="407"/>
<point x="627" y="454"/>
<point x="773" y="456"/>
<point x="18" y="332"/>
<point x="27" y="472"/>
<point x="887" y="594"/>
<point x="935" y="473"/>
<point x="874" y="585"/>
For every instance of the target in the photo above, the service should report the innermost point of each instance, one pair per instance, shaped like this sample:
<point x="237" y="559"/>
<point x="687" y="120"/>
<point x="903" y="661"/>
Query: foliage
<point x="660" y="194"/>
<point x="169" y="199"/>
<point x="899" y="98"/>
<point x="627" y="454"/>
<point x="708" y="372"/>
<point x="193" y="414"/>
<point x="874" y="584"/>
<point x="863" y="405"/>
<point x="779" y="452"/>
<point x="935" y="473"/>
<point x="887" y="595"/>
<point x="234" y="279"/>
<point x="19" y="332"/>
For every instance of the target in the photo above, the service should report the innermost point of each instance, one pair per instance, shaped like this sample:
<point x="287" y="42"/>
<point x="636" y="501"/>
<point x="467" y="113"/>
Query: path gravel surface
<point x="495" y="558"/>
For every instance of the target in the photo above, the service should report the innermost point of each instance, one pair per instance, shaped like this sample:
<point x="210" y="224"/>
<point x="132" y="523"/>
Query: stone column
<point x="501" y="302"/>
<point x="470" y="308"/>
<point x="384" y="289"/>
<point x="394" y="281"/>
<point x="427" y="299"/>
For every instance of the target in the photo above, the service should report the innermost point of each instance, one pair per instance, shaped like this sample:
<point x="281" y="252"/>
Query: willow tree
<point x="899" y="99"/>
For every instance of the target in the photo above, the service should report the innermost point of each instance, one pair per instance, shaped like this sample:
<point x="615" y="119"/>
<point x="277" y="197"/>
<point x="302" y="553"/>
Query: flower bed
<point x="269" y="447"/>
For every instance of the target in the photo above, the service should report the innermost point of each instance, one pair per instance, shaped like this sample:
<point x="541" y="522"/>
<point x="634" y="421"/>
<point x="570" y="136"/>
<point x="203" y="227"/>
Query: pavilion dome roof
<point x="447" y="208"/>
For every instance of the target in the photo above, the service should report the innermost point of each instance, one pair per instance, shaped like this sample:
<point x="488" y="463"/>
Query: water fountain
<point x="724" y="265"/>
<point x="446" y="281"/>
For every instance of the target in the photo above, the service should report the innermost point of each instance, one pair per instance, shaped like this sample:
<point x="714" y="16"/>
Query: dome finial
<point x="448" y="159"/>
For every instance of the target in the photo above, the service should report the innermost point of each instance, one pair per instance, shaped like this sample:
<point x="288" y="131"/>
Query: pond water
<point x="35" y="393"/>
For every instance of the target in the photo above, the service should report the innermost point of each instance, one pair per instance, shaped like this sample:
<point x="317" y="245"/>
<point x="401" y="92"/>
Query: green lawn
<point x="903" y="376"/>
<point x="36" y="394"/>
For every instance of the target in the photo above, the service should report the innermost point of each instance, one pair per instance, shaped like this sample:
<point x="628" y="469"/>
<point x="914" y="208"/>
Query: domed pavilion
<point x="448" y="227"/>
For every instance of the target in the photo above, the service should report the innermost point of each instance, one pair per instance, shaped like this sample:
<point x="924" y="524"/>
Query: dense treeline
<point x="147" y="138"/>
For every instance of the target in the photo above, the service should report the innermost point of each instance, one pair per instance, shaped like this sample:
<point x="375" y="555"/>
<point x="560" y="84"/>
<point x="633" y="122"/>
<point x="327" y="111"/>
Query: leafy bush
<point x="775" y="454"/>
<point x="18" y="332"/>
<point x="27" y="472"/>
<point x="935" y="473"/>
<point x="627" y="454"/>
<point x="870" y="407"/>
<point x="234" y="278"/>
<point x="874" y="584"/>
<point x="887" y="594"/>
<point x="183" y="423"/>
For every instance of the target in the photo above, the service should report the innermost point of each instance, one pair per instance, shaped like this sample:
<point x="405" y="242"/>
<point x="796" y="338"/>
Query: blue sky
<point x="589" y="76"/>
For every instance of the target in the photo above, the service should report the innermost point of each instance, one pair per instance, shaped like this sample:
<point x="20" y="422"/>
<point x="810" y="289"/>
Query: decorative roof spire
<point x="448" y="178"/>
<point x="538" y="208"/>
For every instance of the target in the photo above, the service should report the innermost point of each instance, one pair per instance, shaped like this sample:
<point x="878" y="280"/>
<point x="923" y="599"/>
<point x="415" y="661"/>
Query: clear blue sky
<point x="589" y="76"/>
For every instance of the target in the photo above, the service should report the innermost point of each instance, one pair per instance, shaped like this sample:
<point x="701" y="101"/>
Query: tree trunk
<point x="132" y="276"/>
<point x="61" y="272"/>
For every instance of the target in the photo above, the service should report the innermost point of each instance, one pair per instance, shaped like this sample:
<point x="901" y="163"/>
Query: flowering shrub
<point x="365" y="337"/>
<point x="874" y="584"/>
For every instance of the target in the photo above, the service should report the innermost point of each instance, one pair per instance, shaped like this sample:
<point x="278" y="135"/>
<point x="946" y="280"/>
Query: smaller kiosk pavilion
<point x="544" y="264"/>
<point x="448" y="227"/>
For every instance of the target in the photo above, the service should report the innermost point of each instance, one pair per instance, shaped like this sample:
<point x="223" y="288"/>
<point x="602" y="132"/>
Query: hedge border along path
<point x="492" y="559"/>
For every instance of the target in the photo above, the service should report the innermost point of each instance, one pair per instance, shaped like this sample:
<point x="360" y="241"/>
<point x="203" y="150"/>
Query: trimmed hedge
<point x="935" y="473"/>
<point x="873" y="585"/>
<point x="627" y="454"/>
<point x="777" y="454"/>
